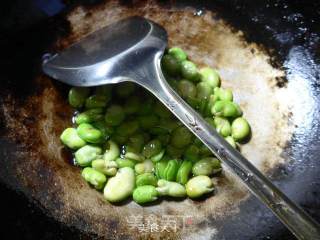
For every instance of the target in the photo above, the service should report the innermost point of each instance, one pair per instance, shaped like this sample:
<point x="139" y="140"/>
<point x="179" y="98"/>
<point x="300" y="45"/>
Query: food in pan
<point x="129" y="144"/>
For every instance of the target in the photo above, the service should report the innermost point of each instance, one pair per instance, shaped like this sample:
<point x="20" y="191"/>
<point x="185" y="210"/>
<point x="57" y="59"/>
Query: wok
<point x="266" y="52"/>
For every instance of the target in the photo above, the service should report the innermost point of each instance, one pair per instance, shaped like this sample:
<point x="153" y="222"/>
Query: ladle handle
<point x="296" y="220"/>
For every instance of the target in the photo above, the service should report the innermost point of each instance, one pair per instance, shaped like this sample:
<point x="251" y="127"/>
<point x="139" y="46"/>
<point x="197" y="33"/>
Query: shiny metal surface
<point x="139" y="61"/>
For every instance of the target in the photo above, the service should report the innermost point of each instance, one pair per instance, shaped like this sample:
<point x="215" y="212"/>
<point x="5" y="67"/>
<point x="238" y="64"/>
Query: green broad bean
<point x="174" y="152"/>
<point x="135" y="143"/>
<point x="94" y="177"/>
<point x="181" y="137"/>
<point x="158" y="157"/>
<point x="148" y="121"/>
<point x="186" y="89"/>
<point x="224" y="94"/>
<point x="160" y="167"/>
<point x="198" y="186"/>
<point x="145" y="194"/>
<point x="184" y="172"/>
<point x="89" y="116"/>
<point x="120" y="186"/>
<point x="96" y="101"/>
<point x="146" y="166"/>
<point x="71" y="139"/>
<point x="222" y="126"/>
<point x="192" y="153"/>
<point x="89" y="134"/>
<point x="240" y="129"/>
<point x="171" y="169"/>
<point x="231" y="141"/>
<point x="170" y="65"/>
<point x="132" y="105"/>
<point x="85" y="155"/>
<point x="161" y="110"/>
<point x="134" y="156"/>
<point x="172" y="189"/>
<point x="152" y="148"/>
<point x="114" y="115"/>
<point x="189" y="71"/>
<point x="125" y="89"/>
<point x="225" y="108"/>
<point x="77" y="96"/>
<point x="106" y="131"/>
<point x="206" y="166"/>
<point x="177" y="53"/>
<point x="127" y="128"/>
<point x="105" y="91"/>
<point x="146" y="179"/>
<point x="210" y="76"/>
<point x="108" y="168"/>
<point x="204" y="90"/>
<point x="112" y="152"/>
<point x="124" y="162"/>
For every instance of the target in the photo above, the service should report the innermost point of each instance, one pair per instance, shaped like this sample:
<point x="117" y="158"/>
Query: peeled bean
<point x="112" y="152"/>
<point x="146" y="179"/>
<point x="198" y="186"/>
<point x="89" y="134"/>
<point x="108" y="168"/>
<point x="85" y="155"/>
<point x="172" y="189"/>
<point x="144" y="194"/>
<point x="70" y="138"/>
<point x="94" y="177"/>
<point x="120" y="186"/>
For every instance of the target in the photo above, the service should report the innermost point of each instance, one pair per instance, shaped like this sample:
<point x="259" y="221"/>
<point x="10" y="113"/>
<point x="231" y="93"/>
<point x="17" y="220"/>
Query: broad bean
<point x="172" y="189"/>
<point x="85" y="155"/>
<point x="225" y="108"/>
<point x="70" y="138"/>
<point x="94" y="177"/>
<point x="108" y="168"/>
<point x="146" y="179"/>
<point x="206" y="166"/>
<point x="240" y="129"/>
<point x="184" y="172"/>
<point x="89" y="134"/>
<point x="77" y="96"/>
<point x="210" y="76"/>
<point x="145" y="194"/>
<point x="198" y="186"/>
<point x="120" y="186"/>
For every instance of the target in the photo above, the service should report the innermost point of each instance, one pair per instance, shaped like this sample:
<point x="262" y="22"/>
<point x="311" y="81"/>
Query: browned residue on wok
<point x="40" y="168"/>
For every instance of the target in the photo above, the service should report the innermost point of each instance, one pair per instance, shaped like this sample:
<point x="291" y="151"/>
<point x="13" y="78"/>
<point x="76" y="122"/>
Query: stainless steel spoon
<point x="130" y="50"/>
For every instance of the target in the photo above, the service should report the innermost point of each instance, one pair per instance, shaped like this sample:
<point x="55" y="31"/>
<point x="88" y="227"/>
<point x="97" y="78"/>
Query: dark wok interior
<point x="287" y="30"/>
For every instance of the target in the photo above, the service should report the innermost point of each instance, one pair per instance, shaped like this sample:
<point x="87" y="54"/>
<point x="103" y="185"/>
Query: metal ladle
<point x="131" y="50"/>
